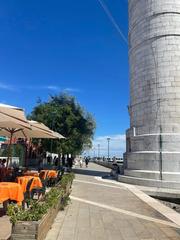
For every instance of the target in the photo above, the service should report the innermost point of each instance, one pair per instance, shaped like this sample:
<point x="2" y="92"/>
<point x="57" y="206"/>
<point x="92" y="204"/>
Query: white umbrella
<point x="12" y="121"/>
<point x="12" y="118"/>
<point x="36" y="130"/>
<point x="57" y="135"/>
<point x="40" y="130"/>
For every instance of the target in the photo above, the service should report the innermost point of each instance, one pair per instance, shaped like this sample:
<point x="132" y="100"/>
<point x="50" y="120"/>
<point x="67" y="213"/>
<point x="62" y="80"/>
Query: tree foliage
<point x="64" y="115"/>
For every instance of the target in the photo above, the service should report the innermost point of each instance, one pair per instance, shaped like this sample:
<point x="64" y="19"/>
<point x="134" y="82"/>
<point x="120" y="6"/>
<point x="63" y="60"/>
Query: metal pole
<point x="9" y="148"/>
<point x="51" y="145"/>
<point x="52" y="127"/>
<point x="94" y="152"/>
<point x="51" y="138"/>
<point x="98" y="151"/>
<point x="160" y="152"/>
<point x="108" y="139"/>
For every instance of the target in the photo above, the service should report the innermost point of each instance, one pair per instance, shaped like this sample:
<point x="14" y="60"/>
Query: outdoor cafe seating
<point x="18" y="191"/>
<point x="10" y="191"/>
<point x="31" y="173"/>
<point x="18" y="185"/>
<point x="23" y="181"/>
<point x="30" y="184"/>
<point x="50" y="175"/>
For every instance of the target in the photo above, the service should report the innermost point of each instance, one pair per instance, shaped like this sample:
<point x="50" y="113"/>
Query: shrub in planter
<point x="37" y="208"/>
<point x="37" y="219"/>
<point x="67" y="180"/>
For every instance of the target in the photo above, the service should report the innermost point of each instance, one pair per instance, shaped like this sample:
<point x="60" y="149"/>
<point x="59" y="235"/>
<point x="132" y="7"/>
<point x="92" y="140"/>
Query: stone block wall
<point x="154" y="58"/>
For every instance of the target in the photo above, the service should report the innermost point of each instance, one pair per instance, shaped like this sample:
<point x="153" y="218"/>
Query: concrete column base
<point x="143" y="168"/>
<point x="149" y="182"/>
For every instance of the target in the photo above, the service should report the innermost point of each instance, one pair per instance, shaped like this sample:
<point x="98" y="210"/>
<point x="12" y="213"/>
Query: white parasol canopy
<point x="40" y="130"/>
<point x="12" y="121"/>
<point x="12" y="118"/>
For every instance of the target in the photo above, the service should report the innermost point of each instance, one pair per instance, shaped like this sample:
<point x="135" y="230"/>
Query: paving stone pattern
<point x="5" y="226"/>
<point x="84" y="221"/>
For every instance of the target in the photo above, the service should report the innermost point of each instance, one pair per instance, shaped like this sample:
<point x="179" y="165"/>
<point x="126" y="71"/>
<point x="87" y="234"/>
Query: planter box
<point x="37" y="230"/>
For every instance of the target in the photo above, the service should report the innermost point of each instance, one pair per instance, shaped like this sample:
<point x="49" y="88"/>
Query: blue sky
<point x="51" y="46"/>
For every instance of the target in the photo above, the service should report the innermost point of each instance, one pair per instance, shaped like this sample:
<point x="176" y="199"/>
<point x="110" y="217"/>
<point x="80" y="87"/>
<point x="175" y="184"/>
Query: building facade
<point x="153" y="139"/>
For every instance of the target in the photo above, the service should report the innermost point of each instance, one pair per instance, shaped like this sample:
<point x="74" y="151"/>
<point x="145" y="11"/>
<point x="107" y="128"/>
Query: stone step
<point x="149" y="182"/>
<point x="142" y="174"/>
<point x="154" y="175"/>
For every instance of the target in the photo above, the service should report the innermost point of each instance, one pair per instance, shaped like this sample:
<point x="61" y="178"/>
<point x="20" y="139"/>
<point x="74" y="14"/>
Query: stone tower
<point x="153" y="139"/>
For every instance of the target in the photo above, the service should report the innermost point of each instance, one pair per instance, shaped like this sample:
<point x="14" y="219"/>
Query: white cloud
<point x="37" y="87"/>
<point x="6" y="87"/>
<point x="51" y="87"/>
<point x="71" y="90"/>
<point x="117" y="145"/>
<point x="41" y="87"/>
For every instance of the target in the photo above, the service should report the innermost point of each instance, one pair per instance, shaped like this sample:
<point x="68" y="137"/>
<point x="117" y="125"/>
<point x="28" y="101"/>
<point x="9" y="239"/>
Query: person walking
<point x="80" y="162"/>
<point x="63" y="160"/>
<point x="70" y="163"/>
<point x="86" y="161"/>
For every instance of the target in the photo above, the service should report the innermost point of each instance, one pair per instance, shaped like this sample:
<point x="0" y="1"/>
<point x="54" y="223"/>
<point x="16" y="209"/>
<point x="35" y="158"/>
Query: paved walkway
<point x="107" y="210"/>
<point x="5" y="225"/>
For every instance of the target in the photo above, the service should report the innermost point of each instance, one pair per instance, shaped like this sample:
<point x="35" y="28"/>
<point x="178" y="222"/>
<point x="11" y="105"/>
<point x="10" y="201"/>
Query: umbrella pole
<point x="9" y="148"/>
<point x="27" y="151"/>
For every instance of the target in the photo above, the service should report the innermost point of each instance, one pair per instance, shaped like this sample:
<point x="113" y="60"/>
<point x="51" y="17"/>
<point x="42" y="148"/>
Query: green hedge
<point x="38" y="208"/>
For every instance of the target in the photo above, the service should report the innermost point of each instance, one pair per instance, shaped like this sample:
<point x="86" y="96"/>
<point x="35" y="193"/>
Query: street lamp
<point x="52" y="128"/>
<point x="108" y="139"/>
<point x="98" y="151"/>
<point x="94" y="151"/>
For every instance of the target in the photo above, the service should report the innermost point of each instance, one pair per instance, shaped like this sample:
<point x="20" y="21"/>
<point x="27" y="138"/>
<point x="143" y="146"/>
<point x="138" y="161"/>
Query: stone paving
<point x="106" y="211"/>
<point x="5" y="225"/>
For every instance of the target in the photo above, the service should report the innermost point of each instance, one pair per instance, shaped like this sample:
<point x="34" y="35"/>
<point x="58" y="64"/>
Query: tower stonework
<point x="153" y="139"/>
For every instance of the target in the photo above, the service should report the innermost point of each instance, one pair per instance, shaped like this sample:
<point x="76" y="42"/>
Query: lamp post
<point x="108" y="139"/>
<point x="98" y="151"/>
<point x="52" y="128"/>
<point x="51" y="138"/>
<point x="94" y="152"/>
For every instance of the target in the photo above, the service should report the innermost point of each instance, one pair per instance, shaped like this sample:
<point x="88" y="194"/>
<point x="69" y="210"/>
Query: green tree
<point x="64" y="115"/>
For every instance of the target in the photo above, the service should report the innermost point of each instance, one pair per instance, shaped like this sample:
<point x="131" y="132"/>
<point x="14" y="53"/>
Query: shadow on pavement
<point x="91" y="172"/>
<point x="2" y="212"/>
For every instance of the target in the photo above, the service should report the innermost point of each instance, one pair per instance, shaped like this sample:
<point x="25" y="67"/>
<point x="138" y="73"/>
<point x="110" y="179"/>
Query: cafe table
<point x="23" y="181"/>
<point x="52" y="174"/>
<point x="11" y="191"/>
<point x="49" y="174"/>
<point x="31" y="173"/>
<point x="43" y="174"/>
